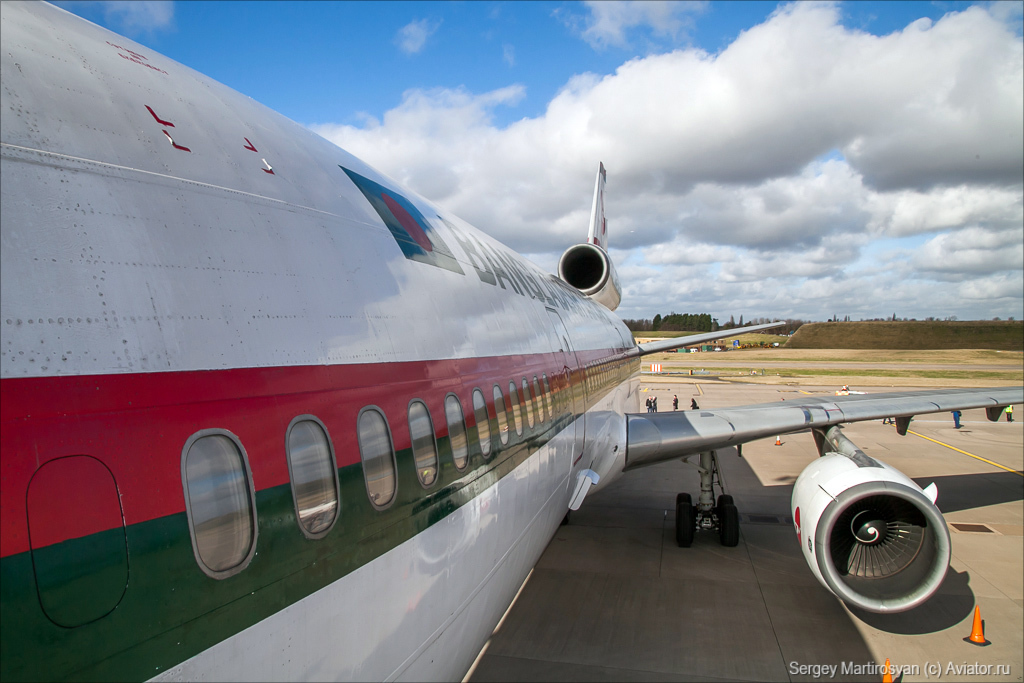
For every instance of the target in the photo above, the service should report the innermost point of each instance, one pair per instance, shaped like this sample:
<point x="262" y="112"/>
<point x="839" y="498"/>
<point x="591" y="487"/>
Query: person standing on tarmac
<point x="693" y="404"/>
<point x="675" y="402"/>
<point x="1009" y="413"/>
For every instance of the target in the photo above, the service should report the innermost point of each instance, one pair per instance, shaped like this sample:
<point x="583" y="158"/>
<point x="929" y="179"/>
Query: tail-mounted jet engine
<point x="588" y="268"/>
<point x="870" y="535"/>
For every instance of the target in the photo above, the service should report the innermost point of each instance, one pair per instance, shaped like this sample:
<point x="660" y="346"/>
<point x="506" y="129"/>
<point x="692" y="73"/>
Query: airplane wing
<point x="869" y="533"/>
<point x="656" y="437"/>
<point x="679" y="342"/>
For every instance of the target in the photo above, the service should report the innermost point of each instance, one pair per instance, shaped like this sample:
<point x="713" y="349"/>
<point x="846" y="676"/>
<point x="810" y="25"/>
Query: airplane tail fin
<point x="587" y="267"/>
<point x="598" y="224"/>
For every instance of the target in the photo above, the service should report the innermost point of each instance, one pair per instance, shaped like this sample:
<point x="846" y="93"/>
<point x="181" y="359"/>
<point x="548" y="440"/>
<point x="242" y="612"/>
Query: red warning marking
<point x="158" y="119"/>
<point x="174" y="144"/>
<point x="249" y="146"/>
<point x="269" y="169"/>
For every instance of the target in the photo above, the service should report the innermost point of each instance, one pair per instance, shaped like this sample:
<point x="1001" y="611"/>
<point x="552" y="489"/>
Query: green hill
<point x="975" y="334"/>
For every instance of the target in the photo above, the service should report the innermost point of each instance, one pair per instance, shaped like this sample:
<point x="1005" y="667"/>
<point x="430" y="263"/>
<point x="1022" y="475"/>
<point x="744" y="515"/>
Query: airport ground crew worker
<point x="1009" y="413"/>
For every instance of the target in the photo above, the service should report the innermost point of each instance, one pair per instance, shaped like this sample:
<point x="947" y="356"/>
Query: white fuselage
<point x="156" y="222"/>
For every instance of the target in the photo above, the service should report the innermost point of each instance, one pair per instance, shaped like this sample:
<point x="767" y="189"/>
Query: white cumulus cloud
<point x="784" y="156"/>
<point x="412" y="37"/>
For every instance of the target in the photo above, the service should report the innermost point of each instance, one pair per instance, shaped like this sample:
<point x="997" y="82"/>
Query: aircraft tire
<point x="729" y="525"/>
<point x="724" y="499"/>
<point x="685" y="520"/>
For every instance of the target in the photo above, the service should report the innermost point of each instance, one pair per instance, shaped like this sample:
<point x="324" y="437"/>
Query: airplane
<point x="267" y="415"/>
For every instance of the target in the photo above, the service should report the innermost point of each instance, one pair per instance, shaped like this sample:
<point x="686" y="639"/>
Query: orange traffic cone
<point x="977" y="636"/>
<point x="887" y="673"/>
<point x="778" y="441"/>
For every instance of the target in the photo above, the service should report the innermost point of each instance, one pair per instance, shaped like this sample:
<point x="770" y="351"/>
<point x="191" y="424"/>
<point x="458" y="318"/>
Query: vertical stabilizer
<point x="598" y="225"/>
<point x="587" y="267"/>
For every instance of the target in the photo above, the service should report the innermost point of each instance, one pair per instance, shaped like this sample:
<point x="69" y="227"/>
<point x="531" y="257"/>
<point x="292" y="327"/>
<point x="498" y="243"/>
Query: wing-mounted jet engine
<point x="870" y="535"/>
<point x="587" y="266"/>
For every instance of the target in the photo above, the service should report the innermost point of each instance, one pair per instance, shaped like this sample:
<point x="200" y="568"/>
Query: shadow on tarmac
<point x="951" y="605"/>
<point x="968" y="491"/>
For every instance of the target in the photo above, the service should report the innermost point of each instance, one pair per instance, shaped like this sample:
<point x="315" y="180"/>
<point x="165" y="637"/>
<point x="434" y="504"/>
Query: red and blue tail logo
<point x="415" y="236"/>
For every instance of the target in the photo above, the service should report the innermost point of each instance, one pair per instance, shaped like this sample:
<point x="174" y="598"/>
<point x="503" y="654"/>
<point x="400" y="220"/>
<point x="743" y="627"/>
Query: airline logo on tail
<point x="415" y="237"/>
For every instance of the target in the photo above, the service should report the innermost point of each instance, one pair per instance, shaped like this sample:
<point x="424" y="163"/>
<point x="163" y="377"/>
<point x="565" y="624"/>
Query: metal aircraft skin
<point x="267" y="415"/>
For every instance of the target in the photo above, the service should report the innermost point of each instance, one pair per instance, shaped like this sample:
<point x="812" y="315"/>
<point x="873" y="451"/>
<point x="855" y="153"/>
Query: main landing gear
<point x="708" y="514"/>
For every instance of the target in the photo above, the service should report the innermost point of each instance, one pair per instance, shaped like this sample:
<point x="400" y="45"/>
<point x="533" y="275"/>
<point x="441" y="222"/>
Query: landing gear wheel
<point x="724" y="499"/>
<point x="729" y="525"/>
<point x="685" y="520"/>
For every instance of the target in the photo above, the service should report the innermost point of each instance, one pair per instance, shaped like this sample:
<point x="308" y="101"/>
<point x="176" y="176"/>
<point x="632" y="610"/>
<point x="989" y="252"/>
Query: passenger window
<point x="547" y="394"/>
<point x="220" y="502"/>
<point x="499" y="410"/>
<point x="314" y="476"/>
<point x="483" y="427"/>
<point x="424" y="447"/>
<point x="378" y="454"/>
<point x="456" y="431"/>
<point x="513" y="395"/>
<point x="527" y="402"/>
<point x="538" y="399"/>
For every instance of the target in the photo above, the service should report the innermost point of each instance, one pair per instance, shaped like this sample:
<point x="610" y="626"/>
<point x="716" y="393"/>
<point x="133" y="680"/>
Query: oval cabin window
<point x="220" y="502"/>
<point x="513" y="396"/>
<point x="378" y="455"/>
<point x="483" y="427"/>
<point x="314" y="476"/>
<point x="424" y="447"/>
<point x="456" y="431"/>
<point x="499" y="411"/>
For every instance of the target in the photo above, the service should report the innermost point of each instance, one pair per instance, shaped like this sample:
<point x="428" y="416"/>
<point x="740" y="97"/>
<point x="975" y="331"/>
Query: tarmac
<point x="613" y="598"/>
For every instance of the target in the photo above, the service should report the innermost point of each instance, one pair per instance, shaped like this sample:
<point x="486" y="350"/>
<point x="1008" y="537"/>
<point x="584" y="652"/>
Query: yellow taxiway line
<point x="976" y="457"/>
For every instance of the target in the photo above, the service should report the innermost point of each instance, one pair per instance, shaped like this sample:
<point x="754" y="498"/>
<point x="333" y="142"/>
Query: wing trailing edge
<point x="656" y="437"/>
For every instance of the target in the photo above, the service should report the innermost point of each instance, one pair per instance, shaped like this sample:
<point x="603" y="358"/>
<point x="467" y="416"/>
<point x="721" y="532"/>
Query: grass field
<point x="972" y="334"/>
<point x="866" y="356"/>
<point x="958" y="367"/>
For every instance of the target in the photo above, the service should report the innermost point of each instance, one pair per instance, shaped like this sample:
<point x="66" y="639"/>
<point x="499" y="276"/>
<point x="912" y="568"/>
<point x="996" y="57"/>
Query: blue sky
<point x="280" y="53"/>
<point x="764" y="158"/>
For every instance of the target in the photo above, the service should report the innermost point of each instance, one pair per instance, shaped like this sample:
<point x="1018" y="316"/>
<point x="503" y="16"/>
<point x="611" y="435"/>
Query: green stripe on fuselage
<point x="172" y="611"/>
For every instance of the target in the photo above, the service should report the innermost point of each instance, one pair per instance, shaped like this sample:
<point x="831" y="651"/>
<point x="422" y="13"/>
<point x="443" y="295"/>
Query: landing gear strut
<point x="708" y="514"/>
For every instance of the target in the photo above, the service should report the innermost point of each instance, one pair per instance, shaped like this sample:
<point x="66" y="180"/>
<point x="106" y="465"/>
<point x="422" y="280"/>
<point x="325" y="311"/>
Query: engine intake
<point x="894" y="571"/>
<point x="869" y="533"/>
<point x="588" y="268"/>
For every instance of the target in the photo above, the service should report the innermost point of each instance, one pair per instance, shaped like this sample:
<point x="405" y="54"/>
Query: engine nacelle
<point x="588" y="268"/>
<point x="869" y="533"/>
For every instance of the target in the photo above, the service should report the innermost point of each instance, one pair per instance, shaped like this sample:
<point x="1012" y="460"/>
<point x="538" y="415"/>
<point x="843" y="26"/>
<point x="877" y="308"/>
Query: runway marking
<point x="976" y="457"/>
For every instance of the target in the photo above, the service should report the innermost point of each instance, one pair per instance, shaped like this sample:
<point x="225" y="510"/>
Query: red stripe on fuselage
<point x="137" y="424"/>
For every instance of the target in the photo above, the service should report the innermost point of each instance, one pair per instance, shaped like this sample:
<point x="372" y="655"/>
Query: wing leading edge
<point x="656" y="437"/>
<point x="679" y="342"/>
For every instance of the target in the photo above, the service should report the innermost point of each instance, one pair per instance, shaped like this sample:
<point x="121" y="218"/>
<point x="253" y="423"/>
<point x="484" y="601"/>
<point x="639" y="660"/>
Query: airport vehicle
<point x="267" y="415"/>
